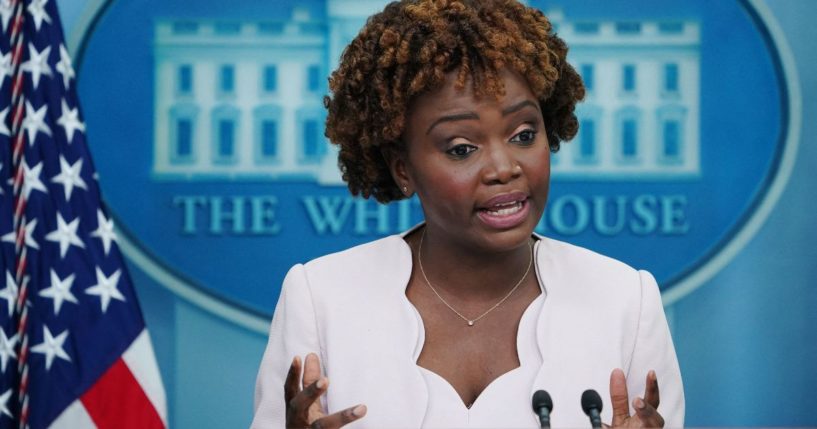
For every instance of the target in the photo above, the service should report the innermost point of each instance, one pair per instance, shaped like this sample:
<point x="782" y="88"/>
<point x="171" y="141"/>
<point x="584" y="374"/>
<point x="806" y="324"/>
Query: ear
<point x="399" y="167"/>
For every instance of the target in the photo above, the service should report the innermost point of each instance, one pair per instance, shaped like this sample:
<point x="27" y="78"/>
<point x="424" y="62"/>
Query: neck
<point x="469" y="273"/>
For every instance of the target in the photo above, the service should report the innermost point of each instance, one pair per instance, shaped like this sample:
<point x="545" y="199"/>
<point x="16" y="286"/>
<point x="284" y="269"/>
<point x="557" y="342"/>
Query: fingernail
<point x="321" y="383"/>
<point x="639" y="403"/>
<point x="359" y="410"/>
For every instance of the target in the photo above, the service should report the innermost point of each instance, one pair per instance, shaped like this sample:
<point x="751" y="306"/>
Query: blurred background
<point x="695" y="160"/>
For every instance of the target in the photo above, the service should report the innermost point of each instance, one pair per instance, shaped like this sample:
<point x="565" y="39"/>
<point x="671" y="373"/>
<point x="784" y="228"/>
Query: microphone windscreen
<point x="591" y="400"/>
<point x="541" y="399"/>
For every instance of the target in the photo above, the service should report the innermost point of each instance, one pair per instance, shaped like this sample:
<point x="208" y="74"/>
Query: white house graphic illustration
<point x="242" y="100"/>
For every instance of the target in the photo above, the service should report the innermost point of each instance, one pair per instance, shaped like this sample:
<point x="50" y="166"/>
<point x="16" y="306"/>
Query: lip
<point x="505" y="221"/>
<point x="504" y="199"/>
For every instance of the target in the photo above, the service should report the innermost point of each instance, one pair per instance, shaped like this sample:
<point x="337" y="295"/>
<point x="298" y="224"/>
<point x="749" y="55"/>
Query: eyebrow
<point x="472" y="115"/>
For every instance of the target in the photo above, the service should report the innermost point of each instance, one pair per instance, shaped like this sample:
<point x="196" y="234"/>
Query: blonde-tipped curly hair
<point x="408" y="49"/>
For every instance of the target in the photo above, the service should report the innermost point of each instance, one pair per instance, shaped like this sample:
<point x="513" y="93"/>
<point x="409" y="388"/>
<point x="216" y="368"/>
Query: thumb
<point x="619" y="397"/>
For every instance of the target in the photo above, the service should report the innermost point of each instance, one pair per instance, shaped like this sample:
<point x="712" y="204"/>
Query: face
<point x="480" y="167"/>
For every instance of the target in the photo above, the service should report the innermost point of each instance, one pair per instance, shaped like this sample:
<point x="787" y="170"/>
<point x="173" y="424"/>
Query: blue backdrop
<point x="745" y="337"/>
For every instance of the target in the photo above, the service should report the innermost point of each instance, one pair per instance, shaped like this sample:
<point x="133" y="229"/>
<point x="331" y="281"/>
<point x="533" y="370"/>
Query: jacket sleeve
<point x="293" y="332"/>
<point x="654" y="350"/>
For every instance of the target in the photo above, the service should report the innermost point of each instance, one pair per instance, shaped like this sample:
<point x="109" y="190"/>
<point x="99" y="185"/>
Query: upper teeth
<point x="506" y="208"/>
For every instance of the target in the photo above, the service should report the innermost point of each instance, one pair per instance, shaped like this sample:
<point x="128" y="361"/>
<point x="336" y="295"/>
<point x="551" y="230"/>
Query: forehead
<point x="450" y="98"/>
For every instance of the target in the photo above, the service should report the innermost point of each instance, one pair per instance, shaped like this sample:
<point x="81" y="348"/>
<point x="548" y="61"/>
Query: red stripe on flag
<point x="118" y="401"/>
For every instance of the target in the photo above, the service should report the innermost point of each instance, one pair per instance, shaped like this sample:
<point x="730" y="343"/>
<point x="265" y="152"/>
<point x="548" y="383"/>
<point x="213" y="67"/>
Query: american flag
<point x="74" y="350"/>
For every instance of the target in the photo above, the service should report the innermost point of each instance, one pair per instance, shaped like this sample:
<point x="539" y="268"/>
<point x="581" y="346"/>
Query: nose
<point x="501" y="166"/>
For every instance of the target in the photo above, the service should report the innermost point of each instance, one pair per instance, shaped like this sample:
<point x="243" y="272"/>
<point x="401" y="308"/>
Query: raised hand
<point x="646" y="408"/>
<point x="303" y="406"/>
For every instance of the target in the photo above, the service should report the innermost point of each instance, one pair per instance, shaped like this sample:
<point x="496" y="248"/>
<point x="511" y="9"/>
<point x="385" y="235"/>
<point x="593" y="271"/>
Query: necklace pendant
<point x="470" y="323"/>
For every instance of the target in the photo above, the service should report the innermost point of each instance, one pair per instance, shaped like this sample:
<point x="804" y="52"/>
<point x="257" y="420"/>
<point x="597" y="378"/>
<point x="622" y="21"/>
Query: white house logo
<point x="213" y="158"/>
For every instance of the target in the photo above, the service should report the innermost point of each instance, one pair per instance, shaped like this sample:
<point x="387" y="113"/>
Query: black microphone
<point x="591" y="404"/>
<point x="542" y="406"/>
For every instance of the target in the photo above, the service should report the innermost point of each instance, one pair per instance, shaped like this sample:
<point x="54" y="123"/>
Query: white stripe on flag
<point x="141" y="361"/>
<point x="74" y="417"/>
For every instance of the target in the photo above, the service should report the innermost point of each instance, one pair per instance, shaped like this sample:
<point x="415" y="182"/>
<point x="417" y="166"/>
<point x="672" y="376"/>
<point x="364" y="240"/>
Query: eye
<point x="525" y="137"/>
<point x="461" y="150"/>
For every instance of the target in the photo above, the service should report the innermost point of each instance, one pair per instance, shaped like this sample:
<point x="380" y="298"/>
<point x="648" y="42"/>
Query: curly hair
<point x="408" y="49"/>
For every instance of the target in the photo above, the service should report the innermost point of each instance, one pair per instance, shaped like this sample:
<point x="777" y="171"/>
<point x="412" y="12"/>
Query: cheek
<point x="537" y="165"/>
<point x="451" y="182"/>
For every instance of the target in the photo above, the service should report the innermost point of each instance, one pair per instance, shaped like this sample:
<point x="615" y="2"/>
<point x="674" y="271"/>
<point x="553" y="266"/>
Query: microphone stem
<point x="595" y="418"/>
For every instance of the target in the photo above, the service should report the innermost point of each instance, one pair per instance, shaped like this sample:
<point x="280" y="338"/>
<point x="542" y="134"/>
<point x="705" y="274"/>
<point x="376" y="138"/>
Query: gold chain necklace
<point x="470" y="322"/>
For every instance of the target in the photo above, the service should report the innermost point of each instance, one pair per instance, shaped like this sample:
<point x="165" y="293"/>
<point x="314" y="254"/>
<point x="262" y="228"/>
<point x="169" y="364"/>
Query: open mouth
<point x="504" y="209"/>
<point x="506" y="214"/>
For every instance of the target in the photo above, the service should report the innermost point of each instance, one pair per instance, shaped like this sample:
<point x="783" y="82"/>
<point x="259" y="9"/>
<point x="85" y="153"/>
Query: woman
<point x="456" y="322"/>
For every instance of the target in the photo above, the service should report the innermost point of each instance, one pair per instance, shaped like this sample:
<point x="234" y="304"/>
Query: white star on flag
<point x="52" y="347"/>
<point x="37" y="11"/>
<point x="4" y="401"/>
<point x="5" y="66"/>
<point x="60" y="291"/>
<point x="11" y="237"/>
<point x="35" y="121"/>
<point x="105" y="288"/>
<point x="69" y="177"/>
<point x="64" y="67"/>
<point x="69" y="120"/>
<point x="6" y="11"/>
<point x="31" y="179"/>
<point x="10" y="292"/>
<point x="6" y="349"/>
<point x="37" y="64"/>
<point x="65" y="234"/>
<point x="104" y="231"/>
<point x="4" y="130"/>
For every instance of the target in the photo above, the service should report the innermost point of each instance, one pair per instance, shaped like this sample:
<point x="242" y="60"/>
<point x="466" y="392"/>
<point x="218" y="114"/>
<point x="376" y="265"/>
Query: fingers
<point x="301" y="409"/>
<point x="651" y="392"/>
<point x="647" y="414"/>
<point x="339" y="419"/>
<point x="618" y="397"/>
<point x="292" y="385"/>
<point x="312" y="369"/>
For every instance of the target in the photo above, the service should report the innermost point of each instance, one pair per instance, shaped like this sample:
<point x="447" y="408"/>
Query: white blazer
<point x="351" y="309"/>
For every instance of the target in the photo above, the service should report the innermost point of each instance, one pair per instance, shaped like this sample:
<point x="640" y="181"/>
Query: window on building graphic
<point x="672" y="140"/>
<point x="671" y="27"/>
<point x="671" y="77"/>
<point x="311" y="140"/>
<point x="270" y="78"/>
<point x="586" y="27"/>
<point x="224" y="134"/>
<point x="587" y="71"/>
<point x="587" y="142"/>
<point x="184" y="139"/>
<point x="629" y="138"/>
<point x="226" y="139"/>
<point x="266" y="133"/>
<point x="185" y="27"/>
<point x="227" y="28"/>
<point x="185" y="79"/>
<point x="313" y="78"/>
<point x="271" y="28"/>
<point x="628" y="27"/>
<point x="269" y="139"/>
<point x="226" y="78"/>
<point x="628" y="78"/>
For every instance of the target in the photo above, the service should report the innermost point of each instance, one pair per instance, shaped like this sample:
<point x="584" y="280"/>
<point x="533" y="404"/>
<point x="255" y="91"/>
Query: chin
<point x="509" y="239"/>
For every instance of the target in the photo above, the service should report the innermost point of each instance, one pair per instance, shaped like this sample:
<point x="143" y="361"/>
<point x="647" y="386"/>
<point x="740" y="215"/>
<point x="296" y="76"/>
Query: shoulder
<point x="359" y="257"/>
<point x="383" y="262"/>
<point x="579" y="260"/>
<point x="573" y="271"/>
